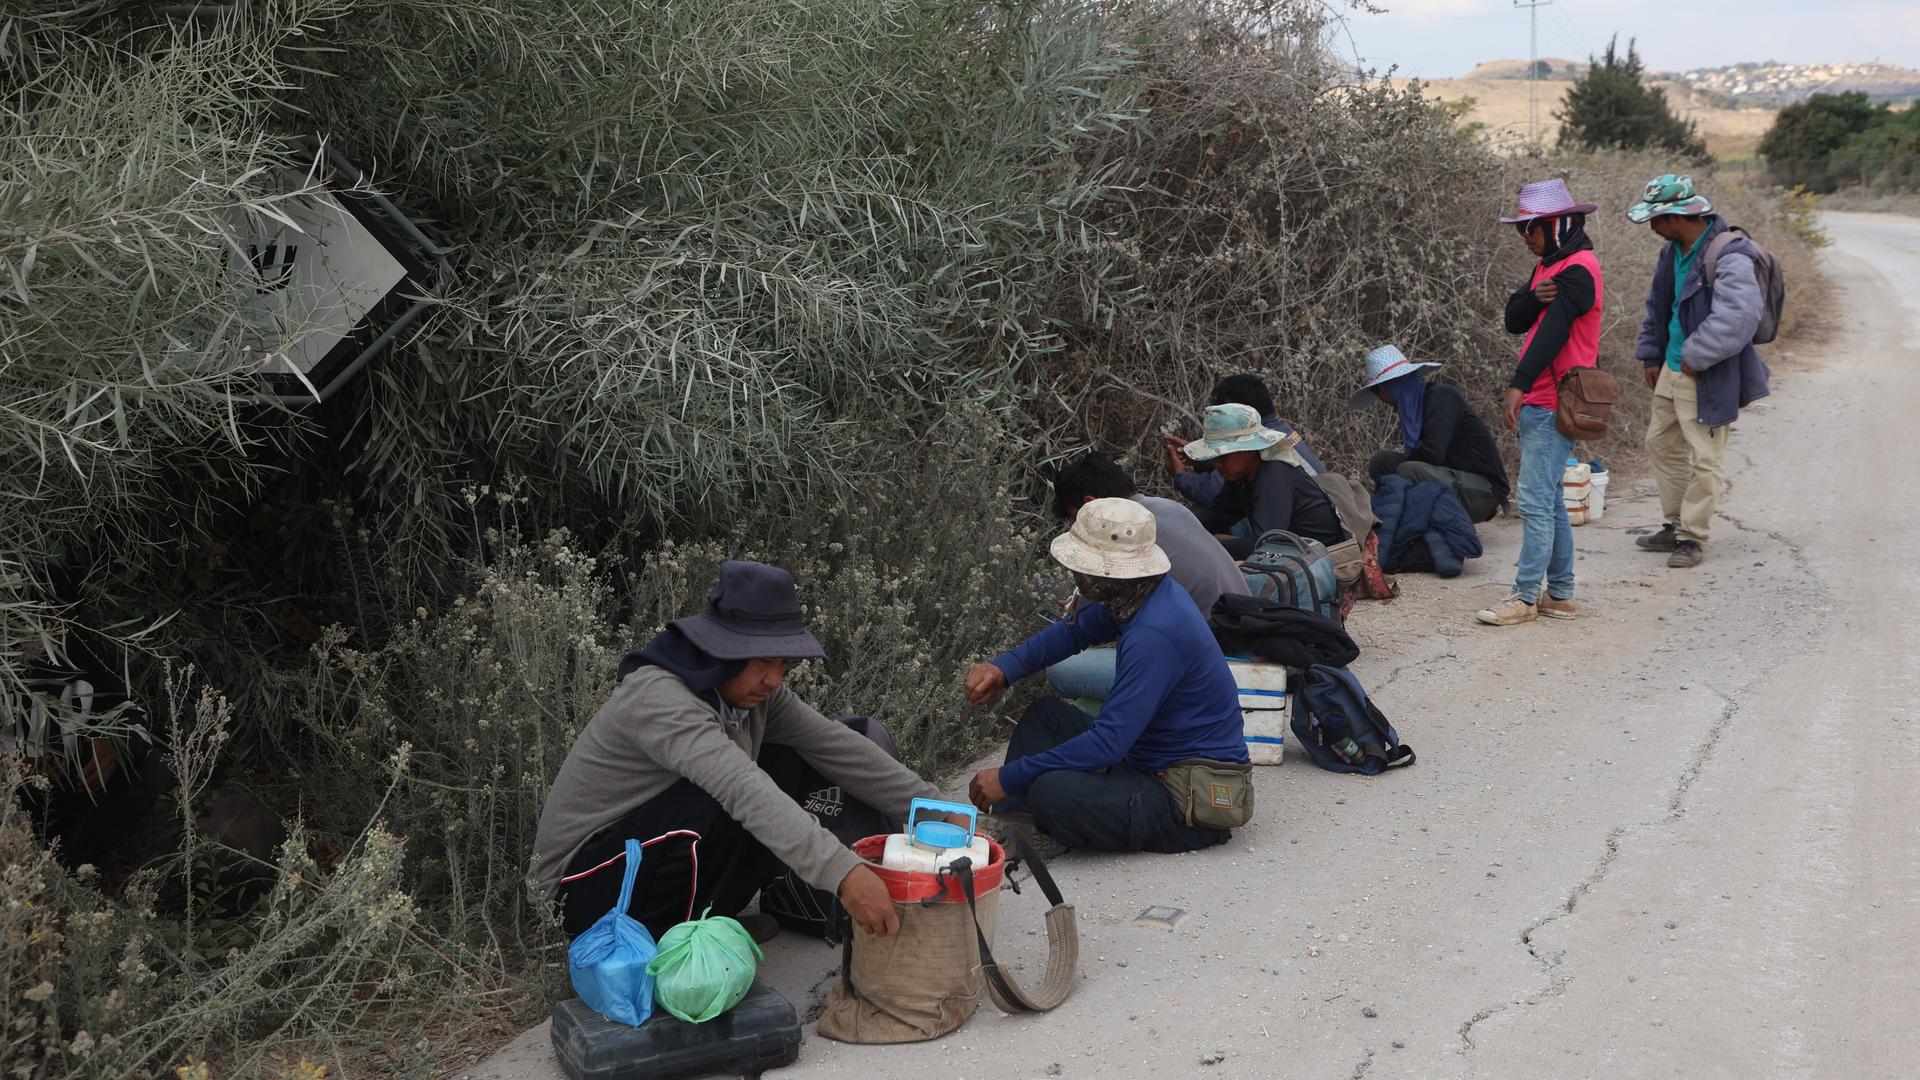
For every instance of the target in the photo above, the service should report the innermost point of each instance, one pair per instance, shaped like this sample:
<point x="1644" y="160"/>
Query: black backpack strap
<point x="1398" y="756"/>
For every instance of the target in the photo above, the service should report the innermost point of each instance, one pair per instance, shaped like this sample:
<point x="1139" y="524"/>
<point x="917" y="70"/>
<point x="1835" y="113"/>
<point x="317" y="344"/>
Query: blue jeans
<point x="1088" y="674"/>
<point x="1546" y="544"/>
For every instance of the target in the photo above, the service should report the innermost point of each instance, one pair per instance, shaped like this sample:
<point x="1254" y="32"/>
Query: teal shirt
<point x="1682" y="267"/>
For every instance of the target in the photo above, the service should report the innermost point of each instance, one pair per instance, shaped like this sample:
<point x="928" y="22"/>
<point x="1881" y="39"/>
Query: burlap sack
<point x="927" y="980"/>
<point x="916" y="985"/>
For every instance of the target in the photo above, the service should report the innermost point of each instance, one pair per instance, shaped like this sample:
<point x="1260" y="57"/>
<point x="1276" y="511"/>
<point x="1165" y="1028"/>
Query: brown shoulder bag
<point x="1587" y="397"/>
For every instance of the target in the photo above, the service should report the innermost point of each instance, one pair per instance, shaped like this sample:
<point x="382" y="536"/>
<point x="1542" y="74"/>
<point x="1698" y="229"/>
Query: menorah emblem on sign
<point x="273" y="264"/>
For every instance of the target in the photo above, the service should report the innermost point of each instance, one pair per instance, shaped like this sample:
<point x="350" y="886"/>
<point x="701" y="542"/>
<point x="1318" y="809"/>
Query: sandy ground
<point x="1501" y="104"/>
<point x="1679" y="836"/>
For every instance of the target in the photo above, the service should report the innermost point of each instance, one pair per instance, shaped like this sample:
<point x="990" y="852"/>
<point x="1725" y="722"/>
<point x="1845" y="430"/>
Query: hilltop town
<point x="1774" y="85"/>
<point x="1765" y="85"/>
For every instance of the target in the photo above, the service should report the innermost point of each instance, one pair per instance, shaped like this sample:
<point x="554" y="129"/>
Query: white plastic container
<point x="1576" y="485"/>
<point x="1265" y="707"/>
<point x="1597" y="496"/>
<point x="918" y="849"/>
<point x="903" y="854"/>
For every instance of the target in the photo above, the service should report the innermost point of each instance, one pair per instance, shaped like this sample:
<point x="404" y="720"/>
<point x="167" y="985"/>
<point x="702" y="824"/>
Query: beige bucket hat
<point x="1111" y="538"/>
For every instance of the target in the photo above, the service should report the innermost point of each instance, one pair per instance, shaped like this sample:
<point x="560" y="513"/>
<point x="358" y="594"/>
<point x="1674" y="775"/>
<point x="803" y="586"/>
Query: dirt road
<point x="1679" y="836"/>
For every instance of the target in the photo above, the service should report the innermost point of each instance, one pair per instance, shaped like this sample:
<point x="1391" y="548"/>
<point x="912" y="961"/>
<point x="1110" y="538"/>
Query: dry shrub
<point x="1286" y="215"/>
<point x="100" y="985"/>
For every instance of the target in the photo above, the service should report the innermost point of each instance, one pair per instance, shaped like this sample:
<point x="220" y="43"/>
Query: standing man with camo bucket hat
<point x="1164" y="765"/>
<point x="1558" y="310"/>
<point x="1696" y="344"/>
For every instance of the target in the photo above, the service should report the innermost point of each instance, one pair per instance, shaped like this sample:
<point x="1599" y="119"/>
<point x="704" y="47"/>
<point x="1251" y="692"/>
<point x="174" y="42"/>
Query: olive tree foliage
<point x="720" y="252"/>
<point x="703" y="256"/>
<point x="129" y="152"/>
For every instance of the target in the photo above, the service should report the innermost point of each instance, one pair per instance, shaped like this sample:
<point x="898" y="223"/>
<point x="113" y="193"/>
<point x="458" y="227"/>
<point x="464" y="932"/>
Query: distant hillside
<point x="1500" y="102"/>
<point x="1764" y="85"/>
<point x="1551" y="67"/>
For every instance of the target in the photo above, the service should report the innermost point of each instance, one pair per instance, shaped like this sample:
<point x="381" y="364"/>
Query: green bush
<point x="1611" y="107"/>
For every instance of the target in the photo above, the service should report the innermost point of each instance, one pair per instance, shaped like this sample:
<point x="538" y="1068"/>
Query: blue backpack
<point x="1295" y="571"/>
<point x="1339" y="727"/>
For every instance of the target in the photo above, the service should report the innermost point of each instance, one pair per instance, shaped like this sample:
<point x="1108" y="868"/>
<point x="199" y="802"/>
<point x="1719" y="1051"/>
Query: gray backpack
<point x="1766" y="270"/>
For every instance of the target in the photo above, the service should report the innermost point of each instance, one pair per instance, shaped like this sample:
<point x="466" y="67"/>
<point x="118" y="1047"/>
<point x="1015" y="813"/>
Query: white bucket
<point x="1265" y="708"/>
<point x="1597" y="497"/>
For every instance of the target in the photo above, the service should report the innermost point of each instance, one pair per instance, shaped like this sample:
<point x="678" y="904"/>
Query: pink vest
<point x="1583" y="340"/>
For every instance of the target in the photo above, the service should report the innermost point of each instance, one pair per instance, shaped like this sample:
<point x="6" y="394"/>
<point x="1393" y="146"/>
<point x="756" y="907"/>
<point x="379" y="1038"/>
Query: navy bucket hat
<point x="753" y="613"/>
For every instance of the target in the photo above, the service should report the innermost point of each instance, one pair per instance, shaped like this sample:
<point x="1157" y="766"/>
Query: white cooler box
<point x="1265" y="707"/>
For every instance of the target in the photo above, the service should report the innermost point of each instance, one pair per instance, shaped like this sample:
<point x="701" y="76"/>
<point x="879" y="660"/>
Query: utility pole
<point x="1533" y="65"/>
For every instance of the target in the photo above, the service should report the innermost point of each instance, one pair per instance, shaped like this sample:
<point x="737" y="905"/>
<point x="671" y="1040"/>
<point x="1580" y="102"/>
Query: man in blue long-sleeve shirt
<point x="1093" y="783"/>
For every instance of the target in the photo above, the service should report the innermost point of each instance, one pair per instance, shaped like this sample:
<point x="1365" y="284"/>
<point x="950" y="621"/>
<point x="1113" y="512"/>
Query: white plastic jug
<point x="1576" y="484"/>
<point x="1597" y="497"/>
<point x="927" y="847"/>
<point x="1265" y="707"/>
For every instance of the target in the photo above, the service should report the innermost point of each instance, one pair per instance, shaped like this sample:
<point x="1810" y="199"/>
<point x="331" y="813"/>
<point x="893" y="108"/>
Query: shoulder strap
<point x="1717" y="247"/>
<point x="1063" y="940"/>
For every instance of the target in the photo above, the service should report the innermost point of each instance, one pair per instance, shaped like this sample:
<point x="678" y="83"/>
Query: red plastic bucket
<point x="913" y="886"/>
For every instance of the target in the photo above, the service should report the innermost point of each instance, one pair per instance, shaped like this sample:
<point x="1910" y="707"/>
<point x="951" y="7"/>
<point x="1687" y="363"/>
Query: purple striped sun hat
<point x="1545" y="199"/>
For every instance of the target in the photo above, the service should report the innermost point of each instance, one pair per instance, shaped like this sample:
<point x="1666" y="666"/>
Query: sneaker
<point x="759" y="926"/>
<point x="1551" y="608"/>
<point x="998" y="826"/>
<point x="1686" y="555"/>
<point x="1508" y="612"/>
<point x="1664" y="540"/>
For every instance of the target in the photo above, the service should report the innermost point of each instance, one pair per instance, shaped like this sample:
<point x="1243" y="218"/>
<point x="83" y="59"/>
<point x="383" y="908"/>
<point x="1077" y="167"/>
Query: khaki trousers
<point x="1689" y="458"/>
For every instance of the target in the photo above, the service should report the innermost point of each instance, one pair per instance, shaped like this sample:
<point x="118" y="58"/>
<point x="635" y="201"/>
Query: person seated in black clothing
<point x="1263" y="488"/>
<point x="1443" y="440"/>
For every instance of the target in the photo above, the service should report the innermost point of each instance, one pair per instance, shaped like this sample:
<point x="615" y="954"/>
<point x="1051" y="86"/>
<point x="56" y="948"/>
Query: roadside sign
<point x="332" y="286"/>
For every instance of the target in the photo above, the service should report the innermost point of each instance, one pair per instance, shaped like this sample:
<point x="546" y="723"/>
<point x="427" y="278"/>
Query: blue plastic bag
<point x="609" y="962"/>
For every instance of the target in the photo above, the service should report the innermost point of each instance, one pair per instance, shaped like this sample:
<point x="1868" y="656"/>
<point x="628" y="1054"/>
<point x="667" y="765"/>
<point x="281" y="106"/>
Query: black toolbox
<point x="760" y="1033"/>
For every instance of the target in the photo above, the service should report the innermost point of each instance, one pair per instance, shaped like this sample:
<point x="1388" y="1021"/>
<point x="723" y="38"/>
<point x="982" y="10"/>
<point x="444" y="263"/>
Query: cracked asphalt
<point x="1678" y="836"/>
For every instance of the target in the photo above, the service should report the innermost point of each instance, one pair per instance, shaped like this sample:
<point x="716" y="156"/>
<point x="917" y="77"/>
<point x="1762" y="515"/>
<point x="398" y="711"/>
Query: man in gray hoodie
<point x="1696" y="345"/>
<point x="701" y="739"/>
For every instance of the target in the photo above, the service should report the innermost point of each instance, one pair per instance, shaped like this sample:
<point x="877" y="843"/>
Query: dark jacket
<point x="1250" y="626"/>
<point x="1422" y="527"/>
<point x="1719" y="323"/>
<point x="1453" y="436"/>
<point x="1280" y="496"/>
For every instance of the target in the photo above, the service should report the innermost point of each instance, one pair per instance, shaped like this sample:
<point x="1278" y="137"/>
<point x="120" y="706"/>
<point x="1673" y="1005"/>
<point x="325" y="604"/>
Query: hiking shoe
<point x="758" y="925"/>
<point x="1664" y="540"/>
<point x="1551" y="608"/>
<point x="998" y="826"/>
<point x="1508" y="612"/>
<point x="1686" y="555"/>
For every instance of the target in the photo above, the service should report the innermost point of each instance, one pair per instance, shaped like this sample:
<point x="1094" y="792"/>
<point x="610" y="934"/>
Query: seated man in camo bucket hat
<point x="702" y="741"/>
<point x="1696" y="345"/>
<point x="1108" y="782"/>
<point x="1265" y="487"/>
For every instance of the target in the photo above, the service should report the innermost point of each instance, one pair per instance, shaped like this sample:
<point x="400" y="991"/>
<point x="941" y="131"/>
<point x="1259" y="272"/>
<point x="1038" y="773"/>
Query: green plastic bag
<point x="704" y="968"/>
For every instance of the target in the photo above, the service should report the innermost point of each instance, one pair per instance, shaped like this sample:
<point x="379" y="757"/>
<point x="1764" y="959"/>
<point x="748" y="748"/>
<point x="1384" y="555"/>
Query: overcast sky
<point x="1440" y="39"/>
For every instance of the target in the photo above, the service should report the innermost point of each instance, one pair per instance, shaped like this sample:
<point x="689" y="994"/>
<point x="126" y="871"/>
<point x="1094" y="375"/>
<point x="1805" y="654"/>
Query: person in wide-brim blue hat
<point x="1443" y="441"/>
<point x="702" y="741"/>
